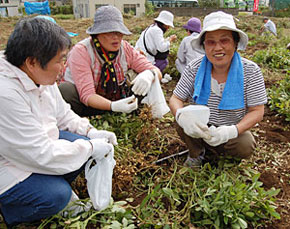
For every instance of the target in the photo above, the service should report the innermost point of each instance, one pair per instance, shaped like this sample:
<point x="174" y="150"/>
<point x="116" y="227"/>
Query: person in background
<point x="152" y="41"/>
<point x="44" y="144"/>
<point x="96" y="78"/>
<point x="186" y="53"/>
<point x="231" y="87"/>
<point x="268" y="27"/>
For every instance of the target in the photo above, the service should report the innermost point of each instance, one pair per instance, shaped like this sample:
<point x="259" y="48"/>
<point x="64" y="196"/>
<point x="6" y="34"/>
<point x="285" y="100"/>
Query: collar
<point x="10" y="71"/>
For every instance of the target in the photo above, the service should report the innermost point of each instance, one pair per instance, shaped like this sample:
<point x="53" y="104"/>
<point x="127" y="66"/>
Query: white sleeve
<point x="66" y="118"/>
<point x="25" y="143"/>
<point x="156" y="35"/>
<point x="181" y="52"/>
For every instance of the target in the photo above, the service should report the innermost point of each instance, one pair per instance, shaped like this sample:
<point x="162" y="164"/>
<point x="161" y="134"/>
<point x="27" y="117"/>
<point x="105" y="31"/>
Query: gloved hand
<point x="110" y="136"/>
<point x="142" y="82"/>
<point x="101" y="148"/>
<point x="221" y="134"/>
<point x="126" y="105"/>
<point x="192" y="127"/>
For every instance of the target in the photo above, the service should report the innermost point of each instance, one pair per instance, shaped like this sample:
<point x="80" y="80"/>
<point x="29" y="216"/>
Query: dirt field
<point x="272" y="158"/>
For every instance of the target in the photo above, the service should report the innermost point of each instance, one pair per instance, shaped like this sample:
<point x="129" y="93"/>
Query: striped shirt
<point x="254" y="92"/>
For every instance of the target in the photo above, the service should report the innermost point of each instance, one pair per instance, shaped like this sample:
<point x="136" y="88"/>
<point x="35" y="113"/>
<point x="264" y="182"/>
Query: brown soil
<point x="272" y="134"/>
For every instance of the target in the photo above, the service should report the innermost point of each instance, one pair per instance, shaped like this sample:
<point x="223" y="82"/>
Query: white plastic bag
<point x="99" y="180"/>
<point x="155" y="98"/>
<point x="196" y="113"/>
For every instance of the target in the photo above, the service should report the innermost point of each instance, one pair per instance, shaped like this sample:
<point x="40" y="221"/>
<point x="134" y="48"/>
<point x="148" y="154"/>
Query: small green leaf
<point x="242" y="223"/>
<point x="250" y="214"/>
<point x="168" y="192"/>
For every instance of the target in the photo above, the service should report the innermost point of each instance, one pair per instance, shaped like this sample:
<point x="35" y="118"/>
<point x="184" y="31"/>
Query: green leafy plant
<point x="64" y="16"/>
<point x="208" y="3"/>
<point x="227" y="196"/>
<point x="149" y="8"/>
<point x="276" y="58"/>
<point x="116" y="216"/>
<point x="279" y="97"/>
<point x="125" y="126"/>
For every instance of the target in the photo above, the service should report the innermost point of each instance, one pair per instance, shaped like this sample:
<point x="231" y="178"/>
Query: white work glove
<point x="221" y="134"/>
<point x="110" y="136"/>
<point x="191" y="126"/>
<point x="142" y="82"/>
<point x="101" y="148"/>
<point x="126" y="105"/>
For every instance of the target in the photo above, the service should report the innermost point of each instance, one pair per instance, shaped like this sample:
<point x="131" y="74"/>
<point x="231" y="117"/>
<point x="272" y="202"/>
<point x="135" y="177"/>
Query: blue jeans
<point x="39" y="196"/>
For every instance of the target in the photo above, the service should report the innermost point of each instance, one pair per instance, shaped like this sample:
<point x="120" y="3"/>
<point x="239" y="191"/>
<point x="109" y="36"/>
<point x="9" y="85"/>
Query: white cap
<point x="165" y="17"/>
<point x="219" y="20"/>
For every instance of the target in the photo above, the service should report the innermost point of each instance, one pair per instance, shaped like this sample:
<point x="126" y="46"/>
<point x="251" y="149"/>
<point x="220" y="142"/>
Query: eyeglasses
<point x="223" y="42"/>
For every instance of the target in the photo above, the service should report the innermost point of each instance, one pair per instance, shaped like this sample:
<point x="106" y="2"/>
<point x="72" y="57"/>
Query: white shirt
<point x="154" y="41"/>
<point x="186" y="53"/>
<point x="271" y="27"/>
<point x="30" y="120"/>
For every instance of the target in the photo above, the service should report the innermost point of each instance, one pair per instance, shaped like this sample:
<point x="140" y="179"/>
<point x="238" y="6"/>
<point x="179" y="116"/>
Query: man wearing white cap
<point x="153" y="44"/>
<point x="269" y="26"/>
<point x="231" y="87"/>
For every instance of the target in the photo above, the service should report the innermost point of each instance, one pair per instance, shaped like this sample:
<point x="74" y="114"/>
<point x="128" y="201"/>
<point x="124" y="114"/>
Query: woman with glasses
<point x="98" y="68"/>
<point x="231" y="87"/>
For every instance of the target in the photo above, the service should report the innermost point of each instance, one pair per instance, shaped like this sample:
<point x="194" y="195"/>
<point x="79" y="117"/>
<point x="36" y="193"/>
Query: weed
<point x="279" y="97"/>
<point x="223" y="197"/>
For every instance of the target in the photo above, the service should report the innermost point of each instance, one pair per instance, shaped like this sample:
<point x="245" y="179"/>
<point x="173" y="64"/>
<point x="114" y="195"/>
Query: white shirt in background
<point x="154" y="41"/>
<point x="186" y="53"/>
<point x="270" y="26"/>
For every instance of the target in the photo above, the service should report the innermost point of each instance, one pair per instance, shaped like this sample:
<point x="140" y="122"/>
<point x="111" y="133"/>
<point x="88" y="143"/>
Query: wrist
<point x="177" y="114"/>
<point x="114" y="106"/>
<point x="111" y="106"/>
<point x="150" y="74"/>
<point x="154" y="73"/>
<point x="90" y="127"/>
<point x="233" y="131"/>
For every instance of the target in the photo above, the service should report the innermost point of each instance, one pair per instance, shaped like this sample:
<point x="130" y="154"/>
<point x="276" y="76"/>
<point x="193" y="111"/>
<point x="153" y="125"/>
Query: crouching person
<point x="44" y="144"/>
<point x="231" y="87"/>
<point x="103" y="68"/>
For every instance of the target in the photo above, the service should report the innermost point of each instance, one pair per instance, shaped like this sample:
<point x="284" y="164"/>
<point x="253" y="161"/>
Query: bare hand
<point x="172" y="38"/>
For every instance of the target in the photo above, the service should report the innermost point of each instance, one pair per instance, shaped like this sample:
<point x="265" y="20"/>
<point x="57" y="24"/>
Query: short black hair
<point x="37" y="38"/>
<point x="190" y="31"/>
<point x="161" y="26"/>
<point x="236" y="38"/>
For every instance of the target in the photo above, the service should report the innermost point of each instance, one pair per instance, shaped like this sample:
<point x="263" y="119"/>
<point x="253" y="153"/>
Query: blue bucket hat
<point x="108" y="19"/>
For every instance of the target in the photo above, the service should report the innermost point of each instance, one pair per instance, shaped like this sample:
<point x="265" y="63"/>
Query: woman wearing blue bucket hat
<point x="186" y="52"/>
<point x="98" y="68"/>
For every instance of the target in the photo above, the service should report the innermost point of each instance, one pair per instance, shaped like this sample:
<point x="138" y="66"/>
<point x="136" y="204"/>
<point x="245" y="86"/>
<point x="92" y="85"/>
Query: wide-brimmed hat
<point x="108" y="19"/>
<point x="165" y="17"/>
<point x="193" y="24"/>
<point x="219" y="20"/>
